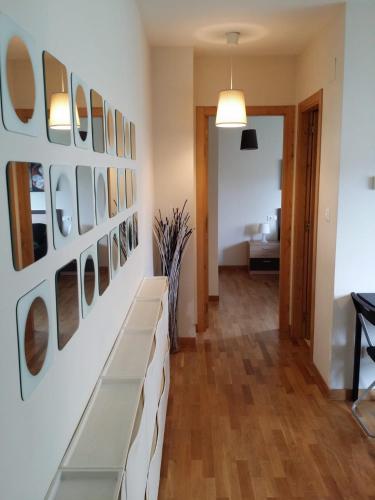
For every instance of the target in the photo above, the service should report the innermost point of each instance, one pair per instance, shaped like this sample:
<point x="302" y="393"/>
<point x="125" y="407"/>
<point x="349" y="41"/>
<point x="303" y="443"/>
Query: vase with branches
<point x="172" y="235"/>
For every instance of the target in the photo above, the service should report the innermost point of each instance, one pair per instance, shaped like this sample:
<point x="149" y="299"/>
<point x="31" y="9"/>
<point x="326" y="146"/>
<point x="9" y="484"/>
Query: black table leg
<point x="357" y="358"/>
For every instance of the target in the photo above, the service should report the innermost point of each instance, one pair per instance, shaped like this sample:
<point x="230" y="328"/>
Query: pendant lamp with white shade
<point x="231" y="108"/>
<point x="59" y="115"/>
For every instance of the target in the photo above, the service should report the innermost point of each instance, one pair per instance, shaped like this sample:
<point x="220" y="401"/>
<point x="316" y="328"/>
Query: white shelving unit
<point x="115" y="453"/>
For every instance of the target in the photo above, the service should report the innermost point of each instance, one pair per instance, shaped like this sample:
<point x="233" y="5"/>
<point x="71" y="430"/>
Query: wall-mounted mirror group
<point x="67" y="302"/>
<point x="27" y="209"/>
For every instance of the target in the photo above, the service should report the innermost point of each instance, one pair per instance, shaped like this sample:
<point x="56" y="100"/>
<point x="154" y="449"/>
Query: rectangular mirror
<point x="132" y="141"/>
<point x="112" y="191"/>
<point x="120" y="133"/>
<point x="103" y="264"/>
<point x="121" y="189"/>
<point x="56" y="88"/>
<point x="85" y="198"/>
<point x="27" y="211"/>
<point x="128" y="152"/>
<point x="67" y="302"/>
<point x="123" y="243"/>
<point x="97" y="118"/>
<point x="129" y="187"/>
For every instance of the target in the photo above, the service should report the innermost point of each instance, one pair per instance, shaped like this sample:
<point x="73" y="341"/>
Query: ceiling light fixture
<point x="231" y="108"/>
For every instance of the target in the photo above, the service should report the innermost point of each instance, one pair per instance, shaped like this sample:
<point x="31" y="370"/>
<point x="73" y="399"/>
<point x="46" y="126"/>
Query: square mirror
<point x="27" y="211"/>
<point x="112" y="191"/>
<point x="120" y="133"/>
<point x="67" y="303"/>
<point x="85" y="198"/>
<point x="121" y="189"/>
<point x="132" y="141"/>
<point x="36" y="336"/>
<point x="89" y="279"/>
<point x="128" y="149"/>
<point x="20" y="68"/>
<point x="64" y="214"/>
<point x="81" y="113"/>
<point x="110" y="129"/>
<point x="115" y="251"/>
<point x="129" y="187"/>
<point x="103" y="264"/>
<point x="101" y="196"/>
<point x="123" y="237"/>
<point x="97" y="118"/>
<point x="56" y="90"/>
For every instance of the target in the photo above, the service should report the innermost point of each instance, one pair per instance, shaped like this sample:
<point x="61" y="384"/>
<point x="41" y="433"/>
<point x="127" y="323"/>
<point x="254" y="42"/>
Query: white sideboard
<point x="116" y="451"/>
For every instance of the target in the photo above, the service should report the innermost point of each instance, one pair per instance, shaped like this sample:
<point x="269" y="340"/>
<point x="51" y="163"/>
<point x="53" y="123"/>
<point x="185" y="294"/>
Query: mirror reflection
<point x="103" y="264"/>
<point x="101" y="197"/>
<point x="85" y="198"/>
<point x="135" y="230"/>
<point x="97" y="118"/>
<point x="123" y="243"/>
<point x="36" y="336"/>
<point x="114" y="251"/>
<point x="20" y="79"/>
<point x="89" y="280"/>
<point x="121" y="188"/>
<point x="129" y="231"/>
<point x="64" y="205"/>
<point x="67" y="303"/>
<point x="57" y="100"/>
<point x="129" y="187"/>
<point x="128" y="152"/>
<point x="112" y="191"/>
<point x="27" y="210"/>
<point x="81" y="113"/>
<point x="119" y="133"/>
<point x="134" y="187"/>
<point x="132" y="141"/>
<point x="110" y="130"/>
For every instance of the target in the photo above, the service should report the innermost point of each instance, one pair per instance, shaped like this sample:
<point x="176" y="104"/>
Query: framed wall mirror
<point x="81" y="113"/>
<point x="97" y="118"/>
<point x="110" y="129"/>
<point x="132" y="141"/>
<point x="128" y="148"/>
<point x="67" y="302"/>
<point x="21" y="79"/>
<point x="85" y="198"/>
<point x="35" y="337"/>
<point x="103" y="264"/>
<point x="123" y="237"/>
<point x="129" y="187"/>
<point x="112" y="191"/>
<point x="27" y="211"/>
<point x="56" y="90"/>
<point x="121" y="189"/>
<point x="64" y="215"/>
<point x="120" y="139"/>
<point x="101" y="196"/>
<point x="135" y="230"/>
<point x="89" y="279"/>
<point x="115" y="251"/>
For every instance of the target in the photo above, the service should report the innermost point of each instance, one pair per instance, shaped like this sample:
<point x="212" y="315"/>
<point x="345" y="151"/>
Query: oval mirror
<point x="101" y="196"/>
<point x="89" y="280"/>
<point x="114" y="252"/>
<point x="110" y="128"/>
<point x="81" y="113"/>
<point x="36" y="336"/>
<point x="20" y="78"/>
<point x="64" y="205"/>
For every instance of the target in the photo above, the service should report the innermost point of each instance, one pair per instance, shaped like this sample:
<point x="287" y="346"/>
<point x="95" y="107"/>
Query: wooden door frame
<point x="202" y="115"/>
<point x="314" y="102"/>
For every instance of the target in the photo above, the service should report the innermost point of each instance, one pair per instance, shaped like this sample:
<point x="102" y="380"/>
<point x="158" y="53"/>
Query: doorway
<point x="203" y="114"/>
<point x="306" y="214"/>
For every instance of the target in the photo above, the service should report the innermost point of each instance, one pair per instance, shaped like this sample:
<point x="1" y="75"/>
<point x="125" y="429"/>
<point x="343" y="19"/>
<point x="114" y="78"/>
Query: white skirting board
<point x="116" y="451"/>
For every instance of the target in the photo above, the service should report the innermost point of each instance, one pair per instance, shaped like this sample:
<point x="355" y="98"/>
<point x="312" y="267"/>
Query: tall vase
<point x="174" y="282"/>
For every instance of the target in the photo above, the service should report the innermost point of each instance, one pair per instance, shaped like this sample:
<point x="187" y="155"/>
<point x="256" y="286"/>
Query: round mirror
<point x="114" y="252"/>
<point x="110" y="128"/>
<point x="81" y="113"/>
<point x="64" y="205"/>
<point x="20" y="77"/>
<point x="101" y="196"/>
<point x="36" y="336"/>
<point x="89" y="280"/>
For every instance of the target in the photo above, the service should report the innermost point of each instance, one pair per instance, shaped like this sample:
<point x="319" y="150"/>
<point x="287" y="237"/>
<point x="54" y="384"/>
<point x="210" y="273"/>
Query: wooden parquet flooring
<point x="247" y="418"/>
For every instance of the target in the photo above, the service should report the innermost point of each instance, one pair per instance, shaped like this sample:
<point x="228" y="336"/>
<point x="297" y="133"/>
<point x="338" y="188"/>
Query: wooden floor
<point x="247" y="418"/>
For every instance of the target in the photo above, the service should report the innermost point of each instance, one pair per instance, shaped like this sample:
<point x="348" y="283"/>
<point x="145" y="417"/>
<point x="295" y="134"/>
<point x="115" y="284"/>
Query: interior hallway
<point x="247" y="418"/>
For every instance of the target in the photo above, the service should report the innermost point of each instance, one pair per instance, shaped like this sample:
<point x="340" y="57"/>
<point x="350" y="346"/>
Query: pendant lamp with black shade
<point x="249" y="139"/>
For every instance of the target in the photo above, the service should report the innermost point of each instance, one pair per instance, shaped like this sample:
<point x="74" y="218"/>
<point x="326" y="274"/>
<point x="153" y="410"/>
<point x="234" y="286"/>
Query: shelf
<point x="143" y="315"/>
<point x="86" y="485"/>
<point x="152" y="288"/>
<point x="103" y="436"/>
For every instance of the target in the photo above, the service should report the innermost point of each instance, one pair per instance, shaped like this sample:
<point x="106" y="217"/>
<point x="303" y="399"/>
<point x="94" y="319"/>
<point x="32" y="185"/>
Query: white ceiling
<point x="268" y="26"/>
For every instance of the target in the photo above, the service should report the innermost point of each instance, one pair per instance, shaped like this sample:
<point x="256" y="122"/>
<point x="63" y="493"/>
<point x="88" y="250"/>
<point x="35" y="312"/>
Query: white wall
<point x="320" y="66"/>
<point x="355" y="263"/>
<point x="105" y="44"/>
<point x="173" y="146"/>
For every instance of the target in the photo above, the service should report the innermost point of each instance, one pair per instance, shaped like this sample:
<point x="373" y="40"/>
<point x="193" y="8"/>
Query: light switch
<point x="327" y="214"/>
